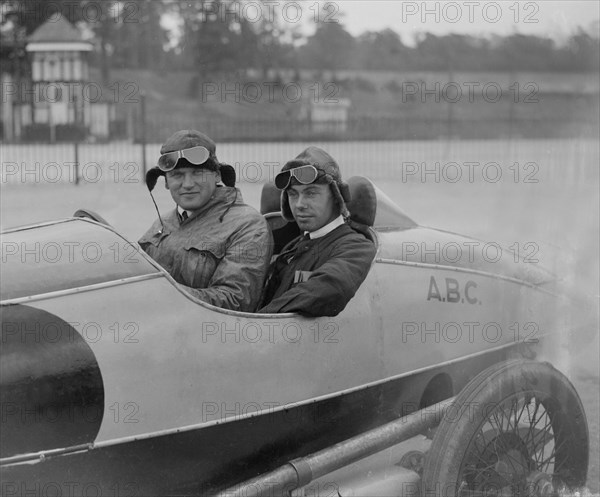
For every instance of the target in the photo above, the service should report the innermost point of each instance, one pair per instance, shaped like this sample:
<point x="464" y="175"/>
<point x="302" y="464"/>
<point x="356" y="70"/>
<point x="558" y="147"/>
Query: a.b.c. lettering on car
<point x="451" y="291"/>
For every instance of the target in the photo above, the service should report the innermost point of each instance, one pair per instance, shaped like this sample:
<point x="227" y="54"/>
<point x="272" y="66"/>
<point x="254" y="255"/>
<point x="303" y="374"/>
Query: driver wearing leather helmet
<point x="319" y="272"/>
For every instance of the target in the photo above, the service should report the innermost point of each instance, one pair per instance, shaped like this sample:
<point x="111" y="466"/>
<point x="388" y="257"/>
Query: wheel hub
<point x="509" y="464"/>
<point x="512" y="465"/>
<point x="540" y="485"/>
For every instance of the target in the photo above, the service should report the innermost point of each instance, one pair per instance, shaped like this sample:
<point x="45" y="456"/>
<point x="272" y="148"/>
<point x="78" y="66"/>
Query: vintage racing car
<point x="115" y="381"/>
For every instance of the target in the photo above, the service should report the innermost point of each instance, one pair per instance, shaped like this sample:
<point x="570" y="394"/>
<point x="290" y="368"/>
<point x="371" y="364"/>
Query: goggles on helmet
<point x="304" y="174"/>
<point x="195" y="155"/>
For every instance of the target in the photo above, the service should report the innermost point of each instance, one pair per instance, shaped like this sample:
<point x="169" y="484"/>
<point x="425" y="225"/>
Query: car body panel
<point x="113" y="375"/>
<point x="65" y="255"/>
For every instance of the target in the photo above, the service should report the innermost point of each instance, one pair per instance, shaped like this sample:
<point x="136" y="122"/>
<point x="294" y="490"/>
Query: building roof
<point x="59" y="31"/>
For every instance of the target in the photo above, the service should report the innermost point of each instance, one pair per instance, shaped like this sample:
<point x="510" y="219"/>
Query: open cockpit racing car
<point x="114" y="381"/>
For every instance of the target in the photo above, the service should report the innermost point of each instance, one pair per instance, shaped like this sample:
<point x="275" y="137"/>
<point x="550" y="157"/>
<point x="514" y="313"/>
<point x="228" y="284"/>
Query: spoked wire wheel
<point x="517" y="429"/>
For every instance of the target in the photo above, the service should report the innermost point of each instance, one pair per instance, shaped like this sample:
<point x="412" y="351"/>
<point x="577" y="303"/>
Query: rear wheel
<point x="517" y="429"/>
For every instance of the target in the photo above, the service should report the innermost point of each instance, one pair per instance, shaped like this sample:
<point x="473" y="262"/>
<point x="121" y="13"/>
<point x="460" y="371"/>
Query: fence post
<point x="76" y="145"/>
<point x="512" y="79"/>
<point x="52" y="125"/>
<point x="14" y="121"/>
<point x="450" y="107"/>
<point x="143" y="133"/>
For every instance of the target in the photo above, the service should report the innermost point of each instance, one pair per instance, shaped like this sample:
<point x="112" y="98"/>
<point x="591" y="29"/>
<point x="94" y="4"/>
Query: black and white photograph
<point x="312" y="248"/>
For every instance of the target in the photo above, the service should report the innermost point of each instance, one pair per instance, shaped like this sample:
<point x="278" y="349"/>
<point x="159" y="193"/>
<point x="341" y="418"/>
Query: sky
<point x="556" y="19"/>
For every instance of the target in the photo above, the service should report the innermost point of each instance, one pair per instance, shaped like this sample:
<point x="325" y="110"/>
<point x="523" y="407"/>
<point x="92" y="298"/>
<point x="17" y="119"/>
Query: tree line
<point x="133" y="34"/>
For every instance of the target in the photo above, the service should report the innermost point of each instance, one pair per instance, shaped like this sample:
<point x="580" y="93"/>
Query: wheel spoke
<point x="516" y="419"/>
<point x="533" y="426"/>
<point x="525" y="404"/>
<point x="482" y="477"/>
<point x="548" y="460"/>
<point x="540" y="437"/>
<point x="481" y="459"/>
<point x="537" y="406"/>
<point x="565" y="459"/>
<point x="493" y="418"/>
<point x="476" y="472"/>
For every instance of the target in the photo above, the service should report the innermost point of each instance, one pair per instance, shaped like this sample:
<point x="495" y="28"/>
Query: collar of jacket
<point x="303" y="242"/>
<point x="222" y="200"/>
<point x="325" y="230"/>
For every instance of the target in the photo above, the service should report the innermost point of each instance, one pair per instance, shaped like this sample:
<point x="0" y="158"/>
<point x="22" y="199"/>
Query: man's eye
<point x="198" y="173"/>
<point x="174" y="174"/>
<point x="292" y="194"/>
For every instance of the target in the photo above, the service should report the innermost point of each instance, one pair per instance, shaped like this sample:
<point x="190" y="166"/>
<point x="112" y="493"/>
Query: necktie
<point x="184" y="216"/>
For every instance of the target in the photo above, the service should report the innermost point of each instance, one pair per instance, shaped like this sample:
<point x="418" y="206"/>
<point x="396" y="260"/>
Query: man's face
<point x="312" y="205"/>
<point x="192" y="187"/>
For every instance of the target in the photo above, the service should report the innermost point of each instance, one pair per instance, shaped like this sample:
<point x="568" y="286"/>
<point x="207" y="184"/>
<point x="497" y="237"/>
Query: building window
<point x="51" y="68"/>
<point x="37" y="69"/>
<point x="77" y="69"/>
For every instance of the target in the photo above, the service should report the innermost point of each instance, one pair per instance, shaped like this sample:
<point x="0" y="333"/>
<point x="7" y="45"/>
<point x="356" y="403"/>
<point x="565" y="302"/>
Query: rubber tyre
<point x="446" y="471"/>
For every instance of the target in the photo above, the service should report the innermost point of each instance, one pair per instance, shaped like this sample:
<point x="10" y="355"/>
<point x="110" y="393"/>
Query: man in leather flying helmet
<point x="212" y="243"/>
<point x="320" y="271"/>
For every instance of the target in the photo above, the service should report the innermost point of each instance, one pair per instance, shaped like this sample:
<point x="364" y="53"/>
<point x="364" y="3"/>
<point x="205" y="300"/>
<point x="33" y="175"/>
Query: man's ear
<point x="227" y="173"/>
<point x="152" y="176"/>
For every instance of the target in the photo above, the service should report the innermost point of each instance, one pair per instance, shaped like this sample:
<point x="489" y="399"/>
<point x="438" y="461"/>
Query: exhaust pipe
<point x="300" y="472"/>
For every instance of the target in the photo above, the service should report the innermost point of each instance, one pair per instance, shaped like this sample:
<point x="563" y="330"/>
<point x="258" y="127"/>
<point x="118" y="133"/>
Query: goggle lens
<point x="304" y="174"/>
<point x="167" y="162"/>
<point x="195" y="155"/>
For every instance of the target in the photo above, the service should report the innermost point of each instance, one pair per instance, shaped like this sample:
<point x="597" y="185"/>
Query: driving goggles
<point x="195" y="155"/>
<point x="304" y="174"/>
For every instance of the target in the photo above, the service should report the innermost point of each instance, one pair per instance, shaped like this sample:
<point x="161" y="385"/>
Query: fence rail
<point x="566" y="161"/>
<point x="377" y="128"/>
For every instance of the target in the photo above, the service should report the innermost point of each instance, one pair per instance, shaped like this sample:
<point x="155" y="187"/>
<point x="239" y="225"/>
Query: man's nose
<point x="188" y="180"/>
<point x="301" y="202"/>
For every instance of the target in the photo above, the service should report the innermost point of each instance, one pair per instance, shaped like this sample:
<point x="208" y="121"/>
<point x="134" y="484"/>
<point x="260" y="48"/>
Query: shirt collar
<point x="180" y="211"/>
<point x="328" y="228"/>
<point x="229" y="195"/>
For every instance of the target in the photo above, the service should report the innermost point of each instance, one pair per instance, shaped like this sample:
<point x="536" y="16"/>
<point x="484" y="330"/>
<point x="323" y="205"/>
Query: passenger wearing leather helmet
<point x="212" y="243"/>
<point x="319" y="272"/>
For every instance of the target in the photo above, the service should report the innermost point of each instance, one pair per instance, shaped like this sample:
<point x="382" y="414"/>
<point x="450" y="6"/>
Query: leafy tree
<point x="31" y="14"/>
<point x="583" y="52"/>
<point x="431" y="52"/>
<point x="380" y="50"/>
<point x="330" y="48"/>
<point x="139" y="39"/>
<point x="275" y="39"/>
<point x="213" y="42"/>
<point x="525" y="52"/>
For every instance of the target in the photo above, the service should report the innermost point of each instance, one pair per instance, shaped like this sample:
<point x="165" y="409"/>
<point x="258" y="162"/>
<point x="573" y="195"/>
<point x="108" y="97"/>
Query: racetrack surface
<point x="557" y="214"/>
